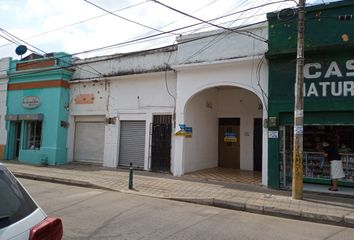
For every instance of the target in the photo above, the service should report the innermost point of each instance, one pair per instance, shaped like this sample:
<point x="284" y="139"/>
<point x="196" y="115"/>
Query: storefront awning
<point x="16" y="117"/>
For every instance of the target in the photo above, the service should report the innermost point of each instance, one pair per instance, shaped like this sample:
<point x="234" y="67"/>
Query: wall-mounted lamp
<point x="64" y="124"/>
<point x="66" y="106"/>
<point x="110" y="120"/>
<point x="272" y="122"/>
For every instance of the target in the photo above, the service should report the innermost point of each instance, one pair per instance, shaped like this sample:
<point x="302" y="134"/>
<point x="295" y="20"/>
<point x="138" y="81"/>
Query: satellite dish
<point x="21" y="49"/>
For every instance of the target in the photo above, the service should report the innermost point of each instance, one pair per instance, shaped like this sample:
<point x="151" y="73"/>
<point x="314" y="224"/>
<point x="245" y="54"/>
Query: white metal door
<point x="89" y="141"/>
<point x="132" y="143"/>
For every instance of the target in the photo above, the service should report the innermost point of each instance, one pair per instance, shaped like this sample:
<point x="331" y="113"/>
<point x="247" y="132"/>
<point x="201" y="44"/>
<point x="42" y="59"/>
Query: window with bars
<point x="34" y="135"/>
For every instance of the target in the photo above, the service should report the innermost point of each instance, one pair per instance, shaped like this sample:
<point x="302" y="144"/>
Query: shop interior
<point x="316" y="168"/>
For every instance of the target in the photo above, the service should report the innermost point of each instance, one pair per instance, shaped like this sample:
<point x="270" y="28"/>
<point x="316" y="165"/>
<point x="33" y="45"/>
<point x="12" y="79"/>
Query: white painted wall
<point x="152" y="60"/>
<point x="230" y="59"/>
<point x="139" y="97"/>
<point x="193" y="78"/>
<point x="220" y="45"/>
<point x="131" y="97"/>
<point x="4" y="65"/>
<point x="201" y="151"/>
<point x="135" y="89"/>
<point x="100" y="93"/>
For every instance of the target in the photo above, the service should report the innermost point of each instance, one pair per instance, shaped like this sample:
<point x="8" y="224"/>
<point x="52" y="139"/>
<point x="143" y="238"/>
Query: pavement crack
<point x="192" y="225"/>
<point x="77" y="202"/>
<point x="333" y="234"/>
<point x="107" y="223"/>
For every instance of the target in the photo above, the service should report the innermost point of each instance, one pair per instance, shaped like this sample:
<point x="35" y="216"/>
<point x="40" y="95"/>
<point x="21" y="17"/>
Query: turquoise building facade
<point x="37" y="109"/>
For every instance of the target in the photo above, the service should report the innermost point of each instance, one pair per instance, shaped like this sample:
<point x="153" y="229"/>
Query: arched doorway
<point x="227" y="131"/>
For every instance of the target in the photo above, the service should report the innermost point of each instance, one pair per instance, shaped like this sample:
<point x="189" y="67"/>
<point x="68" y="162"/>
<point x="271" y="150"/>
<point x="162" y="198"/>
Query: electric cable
<point x="131" y="42"/>
<point x="3" y="30"/>
<point x="20" y="40"/>
<point x="155" y="35"/>
<point x="191" y="32"/>
<point x="11" y="39"/>
<point x="174" y="21"/>
<point x="228" y="15"/>
<point x="235" y="6"/>
<point x="130" y="53"/>
<point x="79" y="22"/>
<point x="173" y="30"/>
<point x="213" y="41"/>
<point x="126" y="19"/>
<point x="246" y="33"/>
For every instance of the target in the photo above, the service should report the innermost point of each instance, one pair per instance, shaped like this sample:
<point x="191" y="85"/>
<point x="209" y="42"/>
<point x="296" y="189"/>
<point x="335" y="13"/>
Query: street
<point x="98" y="214"/>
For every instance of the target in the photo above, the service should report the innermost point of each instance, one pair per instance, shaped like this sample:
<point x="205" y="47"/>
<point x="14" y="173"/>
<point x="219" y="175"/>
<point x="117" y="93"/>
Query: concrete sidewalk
<point x="315" y="207"/>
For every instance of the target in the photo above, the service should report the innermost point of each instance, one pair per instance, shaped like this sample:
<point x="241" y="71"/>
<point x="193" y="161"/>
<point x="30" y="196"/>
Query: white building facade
<point x="112" y="111"/>
<point x="128" y="108"/>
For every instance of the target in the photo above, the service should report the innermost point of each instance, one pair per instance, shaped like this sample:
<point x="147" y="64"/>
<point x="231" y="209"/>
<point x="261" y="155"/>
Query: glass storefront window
<point x="34" y="135"/>
<point x="315" y="166"/>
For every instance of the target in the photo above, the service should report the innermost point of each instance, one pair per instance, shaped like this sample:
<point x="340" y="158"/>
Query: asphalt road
<point x="97" y="214"/>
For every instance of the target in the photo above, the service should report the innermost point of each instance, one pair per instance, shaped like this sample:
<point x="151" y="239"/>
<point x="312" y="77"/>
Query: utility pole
<point x="297" y="184"/>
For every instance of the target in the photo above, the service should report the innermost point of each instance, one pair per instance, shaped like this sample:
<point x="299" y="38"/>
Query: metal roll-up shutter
<point x="89" y="141"/>
<point x="132" y="143"/>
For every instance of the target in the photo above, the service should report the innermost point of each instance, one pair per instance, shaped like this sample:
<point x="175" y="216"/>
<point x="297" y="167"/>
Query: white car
<point x="20" y="216"/>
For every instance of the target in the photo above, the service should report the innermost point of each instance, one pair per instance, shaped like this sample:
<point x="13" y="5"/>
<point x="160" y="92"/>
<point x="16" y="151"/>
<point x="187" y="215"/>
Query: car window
<point x="15" y="203"/>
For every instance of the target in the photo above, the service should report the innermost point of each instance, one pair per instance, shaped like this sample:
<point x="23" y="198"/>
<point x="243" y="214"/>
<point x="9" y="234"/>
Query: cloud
<point x="33" y="17"/>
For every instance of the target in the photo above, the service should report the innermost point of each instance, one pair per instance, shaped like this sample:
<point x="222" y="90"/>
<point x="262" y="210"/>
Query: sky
<point x="76" y="26"/>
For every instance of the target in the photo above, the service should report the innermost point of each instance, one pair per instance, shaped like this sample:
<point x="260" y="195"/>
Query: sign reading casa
<point x="334" y="80"/>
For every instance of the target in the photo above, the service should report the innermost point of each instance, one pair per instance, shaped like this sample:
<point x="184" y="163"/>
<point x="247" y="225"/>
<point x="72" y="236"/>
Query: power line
<point x="206" y="5"/>
<point x="174" y="21"/>
<point x="8" y="39"/>
<point x="121" y="55"/>
<point x="11" y="38"/>
<point x="159" y="34"/>
<point x="170" y="31"/>
<point x="148" y="38"/>
<point x="110" y="58"/>
<point x="215" y="39"/>
<point x="246" y="33"/>
<point x="227" y="12"/>
<point x="126" y="19"/>
<point x="3" y="30"/>
<point x="190" y="32"/>
<point x="79" y="22"/>
<point x="19" y="40"/>
<point x="89" y="19"/>
<point x="173" y="30"/>
<point x="106" y="59"/>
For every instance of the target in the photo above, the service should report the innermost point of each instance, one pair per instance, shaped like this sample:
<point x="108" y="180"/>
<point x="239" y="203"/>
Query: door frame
<point x="77" y="121"/>
<point x="234" y="121"/>
<point x="15" y="127"/>
<point x="257" y="123"/>
<point x="167" y="121"/>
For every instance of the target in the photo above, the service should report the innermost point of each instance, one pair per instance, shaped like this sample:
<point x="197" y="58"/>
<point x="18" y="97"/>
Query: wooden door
<point x="229" y="147"/>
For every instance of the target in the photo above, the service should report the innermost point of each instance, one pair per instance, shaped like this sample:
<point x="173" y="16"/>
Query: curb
<point x="309" y="216"/>
<point x="246" y="205"/>
<point x="65" y="181"/>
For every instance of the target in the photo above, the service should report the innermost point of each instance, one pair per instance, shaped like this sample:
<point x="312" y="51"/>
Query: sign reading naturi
<point x="31" y="102"/>
<point x="335" y="80"/>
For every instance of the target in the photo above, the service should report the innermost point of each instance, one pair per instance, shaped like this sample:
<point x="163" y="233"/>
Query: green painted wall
<point x="53" y="102"/>
<point x="323" y="30"/>
<point x="329" y="47"/>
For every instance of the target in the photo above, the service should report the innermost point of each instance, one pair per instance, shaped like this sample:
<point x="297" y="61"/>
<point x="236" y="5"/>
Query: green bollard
<point x="131" y="176"/>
